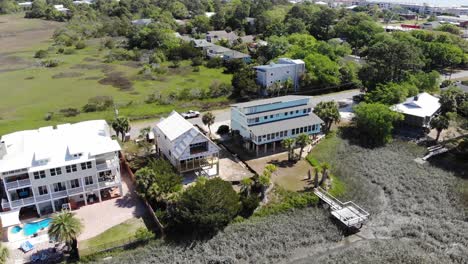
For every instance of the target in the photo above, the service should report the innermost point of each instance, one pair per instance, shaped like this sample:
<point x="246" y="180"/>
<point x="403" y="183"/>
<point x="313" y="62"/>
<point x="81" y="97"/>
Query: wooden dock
<point x="348" y="213"/>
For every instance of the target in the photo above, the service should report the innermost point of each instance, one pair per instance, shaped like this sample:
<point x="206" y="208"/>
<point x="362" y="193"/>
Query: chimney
<point x="416" y="98"/>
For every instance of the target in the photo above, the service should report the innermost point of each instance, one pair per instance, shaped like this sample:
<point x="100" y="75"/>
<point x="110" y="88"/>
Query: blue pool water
<point x="16" y="229"/>
<point x="33" y="228"/>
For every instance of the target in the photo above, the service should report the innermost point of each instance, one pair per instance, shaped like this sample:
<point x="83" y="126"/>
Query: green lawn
<point x="28" y="94"/>
<point x="115" y="236"/>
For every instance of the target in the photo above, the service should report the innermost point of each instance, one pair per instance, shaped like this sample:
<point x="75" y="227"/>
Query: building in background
<point x="53" y="168"/>
<point x="285" y="69"/>
<point x="418" y="110"/>
<point x="186" y="148"/>
<point x="263" y="124"/>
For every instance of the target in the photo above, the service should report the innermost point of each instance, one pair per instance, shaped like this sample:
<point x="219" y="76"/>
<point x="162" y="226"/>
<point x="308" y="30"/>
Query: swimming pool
<point x="16" y="229"/>
<point x="32" y="228"/>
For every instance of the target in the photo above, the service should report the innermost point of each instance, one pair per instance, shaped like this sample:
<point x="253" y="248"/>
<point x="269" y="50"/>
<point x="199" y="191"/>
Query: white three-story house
<point x="53" y="168"/>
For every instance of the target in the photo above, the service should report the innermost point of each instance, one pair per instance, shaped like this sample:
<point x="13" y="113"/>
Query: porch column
<point x="256" y="149"/>
<point x="266" y="147"/>
<point x="7" y="192"/>
<point x="85" y="198"/>
<point x="38" y="210"/>
<point x="99" y="195"/>
<point x="120" y="189"/>
<point x="274" y="146"/>
<point x="53" y="206"/>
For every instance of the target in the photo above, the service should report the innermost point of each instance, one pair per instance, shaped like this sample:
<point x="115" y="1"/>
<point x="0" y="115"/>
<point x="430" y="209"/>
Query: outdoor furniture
<point x="27" y="246"/>
<point x="44" y="256"/>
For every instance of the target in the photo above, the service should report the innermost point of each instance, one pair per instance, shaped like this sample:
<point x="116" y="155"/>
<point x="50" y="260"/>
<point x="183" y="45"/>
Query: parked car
<point x="190" y="114"/>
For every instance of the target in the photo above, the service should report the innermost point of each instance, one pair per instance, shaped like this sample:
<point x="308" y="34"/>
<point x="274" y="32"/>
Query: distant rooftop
<point x="274" y="100"/>
<point x="421" y="105"/>
<point x="174" y="125"/>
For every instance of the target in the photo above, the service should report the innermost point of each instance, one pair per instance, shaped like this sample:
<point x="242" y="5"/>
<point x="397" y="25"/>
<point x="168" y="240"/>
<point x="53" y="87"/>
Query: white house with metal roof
<point x="71" y="164"/>
<point x="280" y="72"/>
<point x="186" y="148"/>
<point x="419" y="110"/>
<point x="265" y="123"/>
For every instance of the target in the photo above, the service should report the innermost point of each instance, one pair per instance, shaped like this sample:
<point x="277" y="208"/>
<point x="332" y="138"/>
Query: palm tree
<point x="288" y="143"/>
<point x="303" y="140"/>
<point x="264" y="181"/>
<point x="4" y="254"/>
<point x="325" y="167"/>
<point x="65" y="227"/>
<point x="245" y="186"/>
<point x="439" y="123"/>
<point x="328" y="112"/>
<point x="144" y="132"/>
<point x="316" y="177"/>
<point x="121" y="125"/>
<point x="208" y="119"/>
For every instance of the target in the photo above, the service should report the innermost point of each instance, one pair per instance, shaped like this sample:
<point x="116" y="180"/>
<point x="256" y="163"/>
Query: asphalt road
<point x="224" y="115"/>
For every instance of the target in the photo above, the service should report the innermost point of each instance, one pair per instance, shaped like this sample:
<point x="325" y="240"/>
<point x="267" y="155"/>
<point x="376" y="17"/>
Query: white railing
<point x="108" y="183"/>
<point x="44" y="197"/>
<point x="108" y="165"/>
<point x="18" y="183"/>
<point x="75" y="190"/>
<point x="59" y="194"/>
<point x="22" y="202"/>
<point x="91" y="187"/>
<point x="5" y="205"/>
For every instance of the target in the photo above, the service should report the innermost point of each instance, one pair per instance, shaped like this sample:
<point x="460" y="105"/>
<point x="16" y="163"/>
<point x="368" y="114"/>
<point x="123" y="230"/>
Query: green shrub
<point x="312" y="161"/>
<point x="120" y="54"/>
<point x="60" y="50"/>
<point x="109" y="43"/>
<point x="196" y="69"/>
<point x="48" y="116"/>
<point x="197" y="61"/>
<point x="69" y="112"/>
<point x="40" y="54"/>
<point x="144" y="234"/>
<point x="98" y="103"/>
<point x="50" y="63"/>
<point x="214" y="63"/>
<point x="80" y="45"/>
<point x="249" y="204"/>
<point x="68" y="51"/>
<point x="222" y="130"/>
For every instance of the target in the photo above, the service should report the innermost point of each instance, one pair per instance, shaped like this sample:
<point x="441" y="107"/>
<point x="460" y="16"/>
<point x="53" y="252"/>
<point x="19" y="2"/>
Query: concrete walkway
<point x="99" y="217"/>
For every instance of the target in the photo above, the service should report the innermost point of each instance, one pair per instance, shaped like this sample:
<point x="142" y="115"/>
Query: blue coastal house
<point x="265" y="123"/>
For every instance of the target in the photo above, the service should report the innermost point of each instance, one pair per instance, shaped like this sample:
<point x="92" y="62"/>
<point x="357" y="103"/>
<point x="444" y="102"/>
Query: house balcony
<point x="5" y="204"/>
<point x="75" y="190"/>
<point x="109" y="183"/>
<point x="90" y="187"/>
<point x="42" y="198"/>
<point x="59" y="194"/>
<point x="108" y="165"/>
<point x="18" y="184"/>
<point x="23" y="202"/>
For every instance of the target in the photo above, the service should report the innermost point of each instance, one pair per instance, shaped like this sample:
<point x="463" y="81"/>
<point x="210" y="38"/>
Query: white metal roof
<point x="10" y="218"/>
<point x="48" y="147"/>
<point x="174" y="125"/>
<point x="421" y="105"/>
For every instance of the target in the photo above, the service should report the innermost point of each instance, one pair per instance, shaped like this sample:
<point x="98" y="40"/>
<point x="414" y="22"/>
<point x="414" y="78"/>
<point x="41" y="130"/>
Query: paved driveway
<point x="99" y="217"/>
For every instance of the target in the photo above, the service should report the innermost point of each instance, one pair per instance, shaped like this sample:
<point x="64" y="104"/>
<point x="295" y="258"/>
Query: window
<point x="297" y="111"/>
<point x="42" y="190"/>
<point x="271" y="74"/>
<point x="56" y="171"/>
<point x="285" y="113"/>
<point x="170" y="153"/>
<point x="297" y="130"/>
<point x="75" y="183"/>
<point x="277" y="115"/>
<point x="268" y="137"/>
<point x="301" y="130"/>
<point x="281" y="134"/>
<point x="88" y="180"/>
<point x="293" y="132"/>
<point x="257" y="119"/>
<point x="71" y="168"/>
<point x="59" y="186"/>
<point x="292" y="112"/>
<point x="265" y="117"/>
<point x="277" y="134"/>
<point x="271" y="116"/>
<point x="308" y="110"/>
<point x="304" y="111"/>
<point x="198" y="147"/>
<point x="86" y="165"/>
<point x="39" y="175"/>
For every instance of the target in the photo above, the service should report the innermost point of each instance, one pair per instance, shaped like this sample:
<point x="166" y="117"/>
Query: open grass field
<point x="417" y="216"/>
<point x="29" y="91"/>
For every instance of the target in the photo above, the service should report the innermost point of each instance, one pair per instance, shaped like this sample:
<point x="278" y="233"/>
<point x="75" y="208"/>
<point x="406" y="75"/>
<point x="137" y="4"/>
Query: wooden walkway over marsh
<point x="348" y="213"/>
